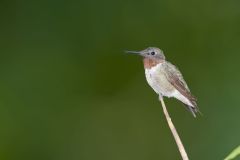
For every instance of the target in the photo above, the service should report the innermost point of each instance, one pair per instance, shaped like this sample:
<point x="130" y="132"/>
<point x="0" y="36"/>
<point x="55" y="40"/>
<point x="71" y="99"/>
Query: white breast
<point x="157" y="80"/>
<point x="150" y="76"/>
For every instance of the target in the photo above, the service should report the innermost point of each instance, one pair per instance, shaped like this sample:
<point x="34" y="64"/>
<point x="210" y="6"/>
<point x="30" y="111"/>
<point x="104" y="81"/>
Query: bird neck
<point x="149" y="63"/>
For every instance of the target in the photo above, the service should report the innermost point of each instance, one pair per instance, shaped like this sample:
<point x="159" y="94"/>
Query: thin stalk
<point x="174" y="131"/>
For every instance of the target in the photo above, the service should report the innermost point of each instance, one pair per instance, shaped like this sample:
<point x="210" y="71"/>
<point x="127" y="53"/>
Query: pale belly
<point x="157" y="80"/>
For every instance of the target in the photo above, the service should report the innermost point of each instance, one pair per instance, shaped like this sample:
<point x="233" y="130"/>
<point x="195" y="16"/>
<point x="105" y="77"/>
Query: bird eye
<point x="152" y="53"/>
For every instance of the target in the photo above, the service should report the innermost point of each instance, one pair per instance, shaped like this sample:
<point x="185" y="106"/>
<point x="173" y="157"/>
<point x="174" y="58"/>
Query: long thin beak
<point x="133" y="52"/>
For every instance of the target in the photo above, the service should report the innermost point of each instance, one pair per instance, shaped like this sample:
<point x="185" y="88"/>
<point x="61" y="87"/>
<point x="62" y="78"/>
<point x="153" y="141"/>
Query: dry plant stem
<point x="174" y="131"/>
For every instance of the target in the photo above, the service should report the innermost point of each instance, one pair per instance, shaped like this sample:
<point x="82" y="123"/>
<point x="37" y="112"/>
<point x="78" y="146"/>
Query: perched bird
<point x="165" y="79"/>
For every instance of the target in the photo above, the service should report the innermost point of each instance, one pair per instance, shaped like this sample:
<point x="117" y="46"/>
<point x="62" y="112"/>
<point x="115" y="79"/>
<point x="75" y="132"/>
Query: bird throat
<point x="149" y="63"/>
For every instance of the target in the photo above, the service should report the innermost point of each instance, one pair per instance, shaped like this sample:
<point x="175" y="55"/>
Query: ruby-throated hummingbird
<point x="165" y="78"/>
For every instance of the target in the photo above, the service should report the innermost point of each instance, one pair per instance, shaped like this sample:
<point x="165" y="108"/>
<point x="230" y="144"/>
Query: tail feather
<point x="194" y="108"/>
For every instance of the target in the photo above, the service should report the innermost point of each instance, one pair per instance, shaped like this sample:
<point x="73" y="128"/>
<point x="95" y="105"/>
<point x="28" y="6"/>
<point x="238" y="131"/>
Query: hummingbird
<point x="165" y="78"/>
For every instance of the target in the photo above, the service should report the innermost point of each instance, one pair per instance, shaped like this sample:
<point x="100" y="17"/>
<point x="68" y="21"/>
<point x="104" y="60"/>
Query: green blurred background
<point x="68" y="91"/>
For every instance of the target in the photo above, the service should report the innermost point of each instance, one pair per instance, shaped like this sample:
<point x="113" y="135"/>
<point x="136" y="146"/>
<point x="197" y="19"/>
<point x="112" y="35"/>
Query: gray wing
<point x="175" y="77"/>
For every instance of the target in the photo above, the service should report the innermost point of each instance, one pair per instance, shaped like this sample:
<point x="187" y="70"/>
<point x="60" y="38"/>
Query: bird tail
<point x="194" y="108"/>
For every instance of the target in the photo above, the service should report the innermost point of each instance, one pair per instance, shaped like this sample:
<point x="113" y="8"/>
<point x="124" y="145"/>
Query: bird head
<point x="151" y="52"/>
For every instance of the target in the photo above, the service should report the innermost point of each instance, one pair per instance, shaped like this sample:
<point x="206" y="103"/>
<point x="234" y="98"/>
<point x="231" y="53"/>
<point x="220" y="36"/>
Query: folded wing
<point x="175" y="77"/>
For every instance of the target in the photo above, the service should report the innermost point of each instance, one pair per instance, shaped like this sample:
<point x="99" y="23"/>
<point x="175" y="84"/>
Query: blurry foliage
<point x="233" y="154"/>
<point x="68" y="91"/>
